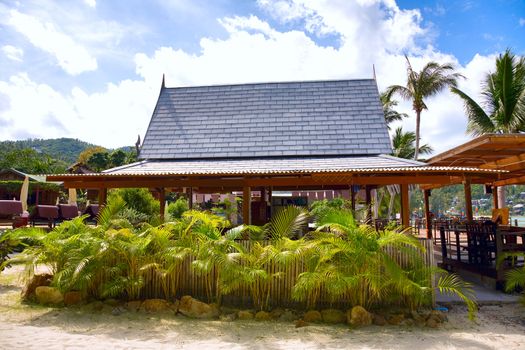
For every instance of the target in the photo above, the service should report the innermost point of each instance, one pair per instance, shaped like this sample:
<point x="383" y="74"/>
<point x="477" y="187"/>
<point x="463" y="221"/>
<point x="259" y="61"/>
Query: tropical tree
<point x="432" y="79"/>
<point x="403" y="144"/>
<point x="502" y="109"/>
<point x="391" y="115"/>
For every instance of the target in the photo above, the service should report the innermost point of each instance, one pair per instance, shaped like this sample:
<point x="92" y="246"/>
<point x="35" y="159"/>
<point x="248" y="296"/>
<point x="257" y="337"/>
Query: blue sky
<point x="91" y="69"/>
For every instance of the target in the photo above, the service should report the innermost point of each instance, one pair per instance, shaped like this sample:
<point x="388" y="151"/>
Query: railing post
<point x="443" y="242"/>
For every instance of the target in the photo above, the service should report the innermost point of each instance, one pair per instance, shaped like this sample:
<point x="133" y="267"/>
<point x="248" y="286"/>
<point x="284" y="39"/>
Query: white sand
<point x="33" y="327"/>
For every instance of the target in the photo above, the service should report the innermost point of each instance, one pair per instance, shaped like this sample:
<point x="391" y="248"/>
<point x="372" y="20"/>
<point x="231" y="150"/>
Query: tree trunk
<point x="418" y="122"/>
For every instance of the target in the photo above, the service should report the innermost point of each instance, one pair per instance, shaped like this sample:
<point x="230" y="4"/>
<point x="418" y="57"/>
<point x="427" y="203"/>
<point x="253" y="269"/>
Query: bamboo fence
<point x="191" y="283"/>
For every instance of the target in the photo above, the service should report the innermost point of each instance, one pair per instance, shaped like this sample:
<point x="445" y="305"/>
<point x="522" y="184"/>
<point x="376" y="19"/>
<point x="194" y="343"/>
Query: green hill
<point x="65" y="149"/>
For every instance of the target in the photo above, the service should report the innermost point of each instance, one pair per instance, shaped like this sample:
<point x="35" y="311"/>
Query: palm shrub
<point x="177" y="208"/>
<point x="259" y="265"/>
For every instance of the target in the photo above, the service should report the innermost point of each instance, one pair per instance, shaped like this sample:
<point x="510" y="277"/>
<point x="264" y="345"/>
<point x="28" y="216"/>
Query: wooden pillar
<point x="102" y="197"/>
<point x="190" y="197"/>
<point x="468" y="200"/>
<point x="428" y="218"/>
<point x="405" y="206"/>
<point x="368" y="199"/>
<point x="495" y="202"/>
<point x="352" y="197"/>
<point x="162" y="200"/>
<point x="246" y="206"/>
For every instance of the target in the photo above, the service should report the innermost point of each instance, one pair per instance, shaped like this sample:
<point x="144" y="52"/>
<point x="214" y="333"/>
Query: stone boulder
<point x="263" y="316"/>
<point x="73" y="298"/>
<point x="379" y="320"/>
<point x="134" y="305"/>
<point x="333" y="316"/>
<point x="197" y="309"/>
<point x="396" y="320"/>
<point x="48" y="296"/>
<point x="156" y="305"/>
<point x="312" y="316"/>
<point x="276" y="313"/>
<point x="300" y="323"/>
<point x="43" y="280"/>
<point x="289" y="316"/>
<point x="358" y="316"/>
<point x="245" y="315"/>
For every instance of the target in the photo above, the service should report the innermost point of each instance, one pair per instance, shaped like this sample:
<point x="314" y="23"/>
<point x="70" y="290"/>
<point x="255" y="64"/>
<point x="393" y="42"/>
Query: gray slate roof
<point x="311" y="118"/>
<point x="288" y="165"/>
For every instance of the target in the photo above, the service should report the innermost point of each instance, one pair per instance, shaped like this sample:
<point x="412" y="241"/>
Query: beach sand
<point x="24" y="326"/>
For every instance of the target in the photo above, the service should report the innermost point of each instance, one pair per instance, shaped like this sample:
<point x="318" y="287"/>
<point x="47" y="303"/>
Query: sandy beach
<point x="25" y="326"/>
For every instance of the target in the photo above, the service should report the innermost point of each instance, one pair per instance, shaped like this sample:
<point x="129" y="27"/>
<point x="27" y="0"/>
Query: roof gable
<point x="316" y="118"/>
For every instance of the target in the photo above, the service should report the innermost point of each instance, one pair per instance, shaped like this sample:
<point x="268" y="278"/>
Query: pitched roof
<point x="269" y="166"/>
<point x="312" y="118"/>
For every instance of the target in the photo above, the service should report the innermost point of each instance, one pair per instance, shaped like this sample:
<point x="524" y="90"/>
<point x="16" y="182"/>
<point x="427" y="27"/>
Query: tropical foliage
<point x="341" y="259"/>
<point x="432" y="79"/>
<point x="391" y="115"/>
<point x="502" y="109"/>
<point x="403" y="144"/>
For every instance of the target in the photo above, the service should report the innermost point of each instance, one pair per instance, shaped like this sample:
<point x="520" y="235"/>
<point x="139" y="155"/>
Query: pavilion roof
<point x="492" y="151"/>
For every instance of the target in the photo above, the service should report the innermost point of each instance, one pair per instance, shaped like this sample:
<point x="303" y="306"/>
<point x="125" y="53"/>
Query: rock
<point x="432" y="323"/>
<point x="228" y="317"/>
<point x="358" y="316"/>
<point x="96" y="306"/>
<point x="245" y="315"/>
<point x="43" y="280"/>
<point x="119" y="310"/>
<point x="175" y="306"/>
<point x="72" y="298"/>
<point x="112" y="302"/>
<point x="312" y="316"/>
<point x="379" y="320"/>
<point x="300" y="323"/>
<point x="155" y="305"/>
<point x="333" y="316"/>
<point x="276" y="313"/>
<point x="396" y="320"/>
<point x="409" y="322"/>
<point x="418" y="318"/>
<point x="438" y="315"/>
<point x="48" y="295"/>
<point x="134" y="305"/>
<point x="263" y="316"/>
<point x="288" y="316"/>
<point x="197" y="309"/>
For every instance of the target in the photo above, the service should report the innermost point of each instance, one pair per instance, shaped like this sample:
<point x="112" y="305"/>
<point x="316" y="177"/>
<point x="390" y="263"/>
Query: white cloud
<point x="370" y="32"/>
<point x="13" y="53"/>
<point x="91" y="3"/>
<point x="71" y="56"/>
<point x="521" y="22"/>
<point x="111" y="118"/>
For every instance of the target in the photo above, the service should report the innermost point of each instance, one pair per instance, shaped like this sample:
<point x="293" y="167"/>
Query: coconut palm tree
<point x="502" y="109"/>
<point x="403" y="144"/>
<point x="432" y="79"/>
<point x="391" y="115"/>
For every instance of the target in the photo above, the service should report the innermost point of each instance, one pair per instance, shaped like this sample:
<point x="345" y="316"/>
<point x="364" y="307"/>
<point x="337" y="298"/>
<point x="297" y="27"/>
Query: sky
<point x="92" y="69"/>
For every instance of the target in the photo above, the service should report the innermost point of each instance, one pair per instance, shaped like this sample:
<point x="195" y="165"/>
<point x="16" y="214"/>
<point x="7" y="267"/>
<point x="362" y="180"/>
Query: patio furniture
<point x="47" y="214"/>
<point x="67" y="211"/>
<point x="92" y="211"/>
<point x="11" y="213"/>
<point x="481" y="243"/>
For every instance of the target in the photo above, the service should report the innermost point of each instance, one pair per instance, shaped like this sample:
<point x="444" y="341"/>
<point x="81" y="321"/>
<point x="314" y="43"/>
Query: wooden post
<point x="468" y="200"/>
<point x="162" y="200"/>
<point x="495" y="204"/>
<point x="405" y="206"/>
<point x="102" y="197"/>
<point x="368" y="199"/>
<point x="190" y="197"/>
<point x="428" y="218"/>
<point x="246" y="205"/>
<point x="352" y="197"/>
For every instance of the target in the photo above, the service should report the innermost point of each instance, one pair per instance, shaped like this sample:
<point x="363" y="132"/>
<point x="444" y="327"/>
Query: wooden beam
<point x="405" y="206"/>
<point x="102" y="197"/>
<point x="246" y="206"/>
<point x="428" y="217"/>
<point x="468" y="199"/>
<point x="352" y="197"/>
<point x="512" y="181"/>
<point x="162" y="200"/>
<point x="368" y="200"/>
<point x="495" y="204"/>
